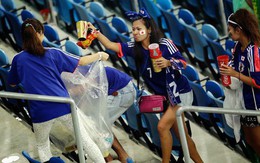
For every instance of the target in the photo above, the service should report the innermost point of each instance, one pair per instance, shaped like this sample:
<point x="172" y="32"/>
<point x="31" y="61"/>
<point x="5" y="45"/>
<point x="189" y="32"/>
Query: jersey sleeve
<point x="254" y="66"/>
<point x="125" y="49"/>
<point x="171" y="52"/>
<point x="66" y="62"/>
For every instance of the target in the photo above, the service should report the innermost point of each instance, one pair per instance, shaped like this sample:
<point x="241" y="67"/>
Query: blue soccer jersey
<point x="157" y="81"/>
<point x="116" y="79"/>
<point x="41" y="75"/>
<point x="248" y="63"/>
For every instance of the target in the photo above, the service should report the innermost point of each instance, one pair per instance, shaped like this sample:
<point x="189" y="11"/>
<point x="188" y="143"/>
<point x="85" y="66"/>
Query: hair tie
<point x="132" y="15"/>
<point x="29" y="24"/>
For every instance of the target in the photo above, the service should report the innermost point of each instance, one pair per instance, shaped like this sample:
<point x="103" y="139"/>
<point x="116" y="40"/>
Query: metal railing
<point x="74" y="115"/>
<point x="205" y="110"/>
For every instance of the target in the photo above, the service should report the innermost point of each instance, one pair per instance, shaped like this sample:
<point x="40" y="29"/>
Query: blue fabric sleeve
<point x="66" y="62"/>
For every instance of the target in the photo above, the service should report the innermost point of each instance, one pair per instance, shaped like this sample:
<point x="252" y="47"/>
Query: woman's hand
<point x="104" y="56"/>
<point x="162" y="62"/>
<point x="227" y="70"/>
<point x="90" y="25"/>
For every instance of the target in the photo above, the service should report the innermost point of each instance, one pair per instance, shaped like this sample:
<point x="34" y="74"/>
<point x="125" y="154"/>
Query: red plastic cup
<point x="223" y="60"/>
<point x="155" y="53"/>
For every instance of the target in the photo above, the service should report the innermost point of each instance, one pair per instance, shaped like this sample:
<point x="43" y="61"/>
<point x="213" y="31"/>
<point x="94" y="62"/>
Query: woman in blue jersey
<point x="169" y="82"/>
<point x="38" y="69"/>
<point x="245" y="66"/>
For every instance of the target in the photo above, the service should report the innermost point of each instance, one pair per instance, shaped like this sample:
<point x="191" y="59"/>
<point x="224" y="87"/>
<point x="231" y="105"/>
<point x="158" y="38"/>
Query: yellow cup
<point x="82" y="29"/>
<point x="155" y="67"/>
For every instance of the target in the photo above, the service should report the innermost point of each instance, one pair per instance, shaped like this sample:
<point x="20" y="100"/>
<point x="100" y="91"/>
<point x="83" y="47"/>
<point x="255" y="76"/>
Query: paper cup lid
<point x="153" y="46"/>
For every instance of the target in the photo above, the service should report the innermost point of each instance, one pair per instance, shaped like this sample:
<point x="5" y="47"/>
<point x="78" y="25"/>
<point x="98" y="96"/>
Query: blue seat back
<point x="97" y="9"/>
<point x="211" y="9"/>
<point x="191" y="73"/>
<point x="51" y="34"/>
<point x="201" y="99"/>
<point x="125" y="5"/>
<point x="82" y="13"/>
<point x="217" y="101"/>
<point x="15" y="26"/>
<point x="2" y="19"/>
<point x="166" y="5"/>
<point x="107" y="30"/>
<point x="198" y="42"/>
<point x="3" y="58"/>
<point x="64" y="11"/>
<point x="41" y="2"/>
<point x="154" y="12"/>
<point x="215" y="88"/>
<point x="176" y="30"/>
<point x="210" y="31"/>
<point x="73" y="48"/>
<point x="8" y="5"/>
<point x="229" y="45"/>
<point x="195" y="4"/>
<point x="187" y="16"/>
<point x="120" y="25"/>
<point x="228" y="7"/>
<point x="78" y="1"/>
<point x="218" y="49"/>
<point x="26" y="14"/>
<point x="200" y="95"/>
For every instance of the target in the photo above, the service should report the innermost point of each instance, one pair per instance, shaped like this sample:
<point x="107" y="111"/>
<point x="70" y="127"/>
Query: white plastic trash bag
<point x="234" y="100"/>
<point x="88" y="87"/>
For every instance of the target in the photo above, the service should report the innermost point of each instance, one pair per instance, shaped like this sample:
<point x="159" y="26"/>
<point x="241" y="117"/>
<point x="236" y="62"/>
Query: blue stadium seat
<point x="26" y="14"/>
<point x="52" y="38"/>
<point x="174" y="28"/>
<point x="215" y="88"/>
<point x="202" y="53"/>
<point x="167" y="5"/>
<point x="15" y="25"/>
<point x="120" y="25"/>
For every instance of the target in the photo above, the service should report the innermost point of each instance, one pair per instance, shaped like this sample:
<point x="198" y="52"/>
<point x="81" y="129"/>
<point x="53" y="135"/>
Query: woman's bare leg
<point x="164" y="127"/>
<point x="168" y="121"/>
<point x="252" y="136"/>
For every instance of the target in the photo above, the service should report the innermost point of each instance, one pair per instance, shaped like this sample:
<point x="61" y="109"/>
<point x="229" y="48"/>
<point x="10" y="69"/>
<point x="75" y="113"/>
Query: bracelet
<point x="100" y="56"/>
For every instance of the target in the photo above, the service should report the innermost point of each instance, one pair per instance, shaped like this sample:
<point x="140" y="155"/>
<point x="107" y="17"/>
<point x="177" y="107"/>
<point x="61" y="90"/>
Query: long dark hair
<point x="248" y="22"/>
<point x="31" y="42"/>
<point x="155" y="37"/>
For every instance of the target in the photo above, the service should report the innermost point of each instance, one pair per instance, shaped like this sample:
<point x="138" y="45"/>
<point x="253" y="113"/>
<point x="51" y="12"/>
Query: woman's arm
<point x="227" y="70"/>
<point x="94" y="57"/>
<point x="105" y="41"/>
